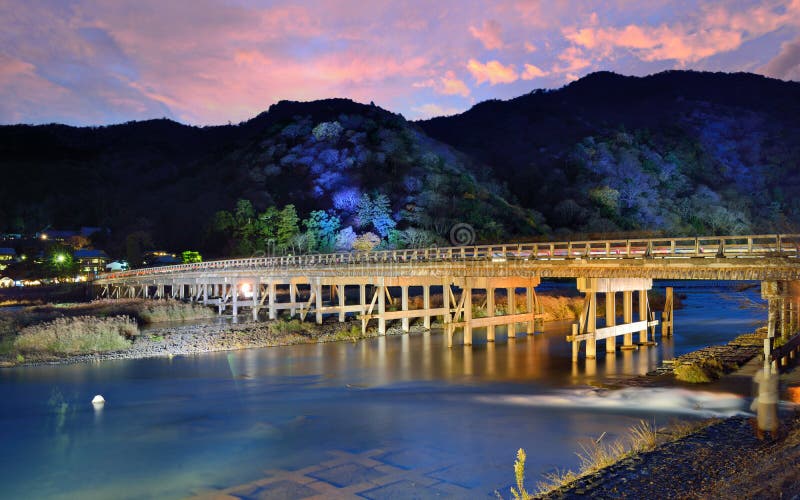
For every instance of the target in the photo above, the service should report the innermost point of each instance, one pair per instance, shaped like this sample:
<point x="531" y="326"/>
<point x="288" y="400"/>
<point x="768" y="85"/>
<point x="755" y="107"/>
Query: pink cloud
<point x="433" y="110"/>
<point x="532" y="72"/>
<point x="493" y="71"/>
<point x="786" y="64"/>
<point x="489" y="35"/>
<point x="659" y="43"/>
<point x="715" y="30"/>
<point x="572" y="59"/>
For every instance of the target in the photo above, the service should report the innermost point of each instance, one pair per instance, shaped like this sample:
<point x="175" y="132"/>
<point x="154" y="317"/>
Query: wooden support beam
<point x="497" y="320"/>
<point x="318" y="303"/>
<point x="611" y="320"/>
<point x="627" y="317"/>
<point x="591" y="326"/>
<point x="257" y="300"/>
<point x="426" y="304"/>
<point x="466" y="300"/>
<point x="643" y="340"/>
<point x="272" y="294"/>
<point x="612" y="331"/>
<point x="413" y="313"/>
<point x="530" y="302"/>
<point x="404" y="307"/>
<point x="490" y="312"/>
<point x="382" y="293"/>
<point x="341" y="293"/>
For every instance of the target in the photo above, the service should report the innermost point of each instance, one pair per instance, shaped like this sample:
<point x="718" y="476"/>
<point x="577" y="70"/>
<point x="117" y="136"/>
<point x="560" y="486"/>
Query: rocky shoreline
<point x="726" y="459"/>
<point x="723" y="460"/>
<point x="195" y="339"/>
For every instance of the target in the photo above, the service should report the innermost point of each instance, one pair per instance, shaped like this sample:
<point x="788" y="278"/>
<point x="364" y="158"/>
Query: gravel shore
<point x="202" y="338"/>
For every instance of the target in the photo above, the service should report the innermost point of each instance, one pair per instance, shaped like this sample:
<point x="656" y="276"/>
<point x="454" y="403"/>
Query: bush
<point x="700" y="372"/>
<point x="79" y="335"/>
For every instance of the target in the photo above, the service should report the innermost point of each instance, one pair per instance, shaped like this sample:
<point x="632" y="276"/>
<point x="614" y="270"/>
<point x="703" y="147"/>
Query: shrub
<point x="78" y="335"/>
<point x="700" y="372"/>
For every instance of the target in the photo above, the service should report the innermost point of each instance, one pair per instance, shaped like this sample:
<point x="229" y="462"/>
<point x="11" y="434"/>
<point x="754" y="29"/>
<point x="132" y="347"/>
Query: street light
<point x="60" y="258"/>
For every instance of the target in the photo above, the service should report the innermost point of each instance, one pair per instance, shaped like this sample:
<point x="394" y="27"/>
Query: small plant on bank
<point x="519" y="475"/>
<point x="352" y="332"/>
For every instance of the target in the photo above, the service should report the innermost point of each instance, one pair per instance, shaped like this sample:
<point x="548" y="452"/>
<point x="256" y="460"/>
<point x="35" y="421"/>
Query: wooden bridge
<point x="361" y="283"/>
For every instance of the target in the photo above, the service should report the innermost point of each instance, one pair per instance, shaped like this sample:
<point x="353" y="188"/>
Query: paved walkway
<point x="375" y="474"/>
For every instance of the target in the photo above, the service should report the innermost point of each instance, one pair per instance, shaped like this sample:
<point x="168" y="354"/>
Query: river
<point x="390" y="417"/>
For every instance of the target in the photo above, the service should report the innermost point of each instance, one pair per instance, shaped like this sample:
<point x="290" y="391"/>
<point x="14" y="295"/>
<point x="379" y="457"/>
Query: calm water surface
<point x="174" y="428"/>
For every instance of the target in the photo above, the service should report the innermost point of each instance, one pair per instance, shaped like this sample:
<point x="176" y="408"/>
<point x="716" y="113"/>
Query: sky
<point x="211" y="62"/>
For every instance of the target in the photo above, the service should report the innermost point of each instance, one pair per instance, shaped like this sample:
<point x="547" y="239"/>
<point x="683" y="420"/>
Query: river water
<point x="397" y="417"/>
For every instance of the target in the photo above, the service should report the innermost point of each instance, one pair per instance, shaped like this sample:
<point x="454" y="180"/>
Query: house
<point x="7" y="254"/>
<point x="90" y="262"/>
<point x="117" y="265"/>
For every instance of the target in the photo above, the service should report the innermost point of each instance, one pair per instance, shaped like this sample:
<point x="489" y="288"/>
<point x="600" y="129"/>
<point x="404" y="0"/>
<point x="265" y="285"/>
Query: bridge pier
<point x="586" y="328"/>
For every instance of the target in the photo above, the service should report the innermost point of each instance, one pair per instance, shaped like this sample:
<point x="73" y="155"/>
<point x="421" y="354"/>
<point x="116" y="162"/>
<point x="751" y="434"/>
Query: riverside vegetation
<point x="40" y="333"/>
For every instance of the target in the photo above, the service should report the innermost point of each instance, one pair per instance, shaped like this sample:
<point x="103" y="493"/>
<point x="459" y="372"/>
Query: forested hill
<point x="682" y="152"/>
<point x="169" y="185"/>
<point x="677" y="152"/>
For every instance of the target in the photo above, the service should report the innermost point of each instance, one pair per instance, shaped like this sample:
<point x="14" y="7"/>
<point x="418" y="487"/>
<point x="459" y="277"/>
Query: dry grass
<point x="142" y="310"/>
<point x="79" y="335"/>
<point x="699" y="372"/>
<point x="598" y="454"/>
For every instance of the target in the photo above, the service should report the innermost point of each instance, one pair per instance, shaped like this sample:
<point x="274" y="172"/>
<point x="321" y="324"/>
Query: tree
<point x="321" y="228"/>
<point x="376" y="212"/>
<point x="288" y="227"/>
<point x="190" y="256"/>
<point x="366" y="242"/>
<point x="59" y="263"/>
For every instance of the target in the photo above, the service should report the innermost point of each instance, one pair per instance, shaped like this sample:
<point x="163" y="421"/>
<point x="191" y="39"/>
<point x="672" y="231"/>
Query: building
<point x="90" y="262"/>
<point x="7" y="254"/>
<point x="117" y="265"/>
<point x="6" y="282"/>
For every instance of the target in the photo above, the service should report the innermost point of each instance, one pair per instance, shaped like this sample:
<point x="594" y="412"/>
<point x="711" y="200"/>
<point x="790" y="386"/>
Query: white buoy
<point x="98" y="400"/>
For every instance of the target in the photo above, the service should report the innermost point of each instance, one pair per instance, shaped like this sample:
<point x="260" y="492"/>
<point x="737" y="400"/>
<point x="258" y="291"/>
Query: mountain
<point x="680" y="152"/>
<point x="166" y="181"/>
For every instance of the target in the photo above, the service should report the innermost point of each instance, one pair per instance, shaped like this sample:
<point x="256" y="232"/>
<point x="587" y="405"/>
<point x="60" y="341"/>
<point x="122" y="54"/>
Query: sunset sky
<point x="95" y="62"/>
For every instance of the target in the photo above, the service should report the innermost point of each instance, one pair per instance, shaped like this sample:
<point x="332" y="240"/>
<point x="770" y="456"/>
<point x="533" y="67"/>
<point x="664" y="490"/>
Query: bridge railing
<point x="783" y="245"/>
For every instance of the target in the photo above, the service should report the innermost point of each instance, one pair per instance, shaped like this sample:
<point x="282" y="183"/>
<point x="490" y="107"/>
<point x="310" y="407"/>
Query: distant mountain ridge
<point x="532" y="142"/>
<point x="680" y="152"/>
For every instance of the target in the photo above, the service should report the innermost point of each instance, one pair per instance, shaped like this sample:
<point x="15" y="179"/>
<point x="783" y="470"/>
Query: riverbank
<point x="731" y="458"/>
<point x="723" y="460"/>
<point x="204" y="338"/>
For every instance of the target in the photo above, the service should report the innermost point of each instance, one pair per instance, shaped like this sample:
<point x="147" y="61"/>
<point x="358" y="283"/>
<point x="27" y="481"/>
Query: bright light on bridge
<point x="247" y="290"/>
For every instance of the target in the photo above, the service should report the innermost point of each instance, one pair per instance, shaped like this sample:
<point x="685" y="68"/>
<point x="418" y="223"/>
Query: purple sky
<point x="95" y="62"/>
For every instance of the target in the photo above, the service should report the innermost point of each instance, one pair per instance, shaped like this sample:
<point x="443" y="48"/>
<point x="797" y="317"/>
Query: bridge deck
<point x="761" y="257"/>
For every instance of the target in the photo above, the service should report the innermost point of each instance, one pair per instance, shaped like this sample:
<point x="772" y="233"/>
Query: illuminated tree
<point x="190" y="256"/>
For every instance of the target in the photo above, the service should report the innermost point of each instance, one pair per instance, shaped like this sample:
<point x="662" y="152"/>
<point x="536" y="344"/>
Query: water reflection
<point x="176" y="427"/>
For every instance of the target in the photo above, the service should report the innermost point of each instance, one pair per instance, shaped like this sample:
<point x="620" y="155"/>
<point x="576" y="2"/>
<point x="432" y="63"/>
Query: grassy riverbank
<point x="53" y="331"/>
